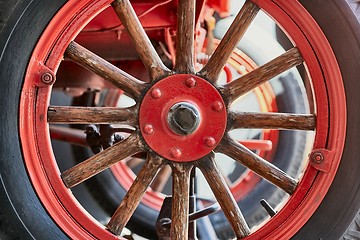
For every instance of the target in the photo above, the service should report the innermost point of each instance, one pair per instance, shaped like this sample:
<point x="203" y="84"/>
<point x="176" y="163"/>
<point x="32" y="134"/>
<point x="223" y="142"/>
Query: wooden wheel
<point x="180" y="119"/>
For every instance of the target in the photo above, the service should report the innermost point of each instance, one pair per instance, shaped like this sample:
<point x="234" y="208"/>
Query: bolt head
<point x="190" y="82"/>
<point x="317" y="157"/>
<point x="210" y="141"/>
<point x="217" y="106"/>
<point x="156" y="93"/>
<point x="148" y="129"/>
<point x="176" y="153"/>
<point x="47" y="78"/>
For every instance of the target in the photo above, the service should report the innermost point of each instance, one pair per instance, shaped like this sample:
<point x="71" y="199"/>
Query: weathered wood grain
<point x="180" y="201"/>
<point x="223" y="195"/>
<point x="102" y="160"/>
<point x="248" y="82"/>
<point x="236" y="31"/>
<point x="257" y="164"/>
<point x="103" y="68"/>
<point x="89" y="115"/>
<point x="185" y="37"/>
<point x="135" y="194"/>
<point x="140" y="40"/>
<point x="272" y="121"/>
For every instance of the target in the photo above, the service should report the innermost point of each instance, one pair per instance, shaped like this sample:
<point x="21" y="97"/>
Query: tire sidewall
<point x="18" y="38"/>
<point x="342" y="202"/>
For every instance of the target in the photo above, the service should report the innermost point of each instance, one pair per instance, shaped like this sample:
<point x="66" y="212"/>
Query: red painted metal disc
<point x="162" y="97"/>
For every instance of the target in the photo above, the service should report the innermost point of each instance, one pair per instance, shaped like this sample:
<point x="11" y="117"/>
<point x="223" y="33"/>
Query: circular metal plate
<point x="155" y="109"/>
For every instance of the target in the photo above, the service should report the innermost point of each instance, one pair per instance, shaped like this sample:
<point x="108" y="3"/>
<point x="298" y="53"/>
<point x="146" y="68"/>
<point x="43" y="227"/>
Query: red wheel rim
<point x="330" y="126"/>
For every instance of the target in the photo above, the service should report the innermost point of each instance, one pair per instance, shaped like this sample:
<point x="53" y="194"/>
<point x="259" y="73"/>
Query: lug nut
<point x="217" y="106"/>
<point x="156" y="93"/>
<point x="176" y="153"/>
<point x="47" y="78"/>
<point x="210" y="141"/>
<point x="190" y="82"/>
<point x="148" y="129"/>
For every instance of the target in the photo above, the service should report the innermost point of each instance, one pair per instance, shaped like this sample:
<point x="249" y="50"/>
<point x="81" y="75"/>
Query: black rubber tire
<point x="19" y="202"/>
<point x="339" y="209"/>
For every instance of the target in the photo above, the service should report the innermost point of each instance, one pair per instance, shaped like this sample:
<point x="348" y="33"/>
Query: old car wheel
<point x="181" y="117"/>
<point x="286" y="150"/>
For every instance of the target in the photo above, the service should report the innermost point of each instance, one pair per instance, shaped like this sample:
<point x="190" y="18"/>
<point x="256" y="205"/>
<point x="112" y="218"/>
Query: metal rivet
<point x="175" y="153"/>
<point x="210" y="141"/>
<point x="217" y="106"/>
<point x="317" y="157"/>
<point x="47" y="78"/>
<point x="148" y="129"/>
<point x="190" y="82"/>
<point x="156" y="93"/>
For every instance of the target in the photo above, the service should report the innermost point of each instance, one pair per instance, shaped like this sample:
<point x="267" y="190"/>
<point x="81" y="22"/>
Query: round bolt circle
<point x="47" y="78"/>
<point x="190" y="82"/>
<point x="217" y="106"/>
<point x="156" y="93"/>
<point x="148" y="129"/>
<point x="176" y="153"/>
<point x="210" y="141"/>
<point x="182" y="118"/>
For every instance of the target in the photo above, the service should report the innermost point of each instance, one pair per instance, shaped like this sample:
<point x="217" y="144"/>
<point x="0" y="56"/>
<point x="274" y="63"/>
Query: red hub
<point x="175" y="116"/>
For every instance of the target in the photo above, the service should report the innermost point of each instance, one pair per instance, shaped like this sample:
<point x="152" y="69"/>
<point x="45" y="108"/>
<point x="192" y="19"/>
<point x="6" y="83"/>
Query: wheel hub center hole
<point x="183" y="118"/>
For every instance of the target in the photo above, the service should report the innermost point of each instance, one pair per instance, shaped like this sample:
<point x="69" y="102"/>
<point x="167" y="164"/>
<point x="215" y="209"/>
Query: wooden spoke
<point x="185" y="36"/>
<point x="180" y="201"/>
<point x="273" y="121"/>
<point x="161" y="179"/>
<point x="88" y="115"/>
<point x="102" y="160"/>
<point x="96" y="64"/>
<point x="69" y="135"/>
<point x="223" y="195"/>
<point x="257" y="164"/>
<point x="135" y="194"/>
<point x="222" y="53"/>
<point x="139" y="38"/>
<point x="249" y="81"/>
